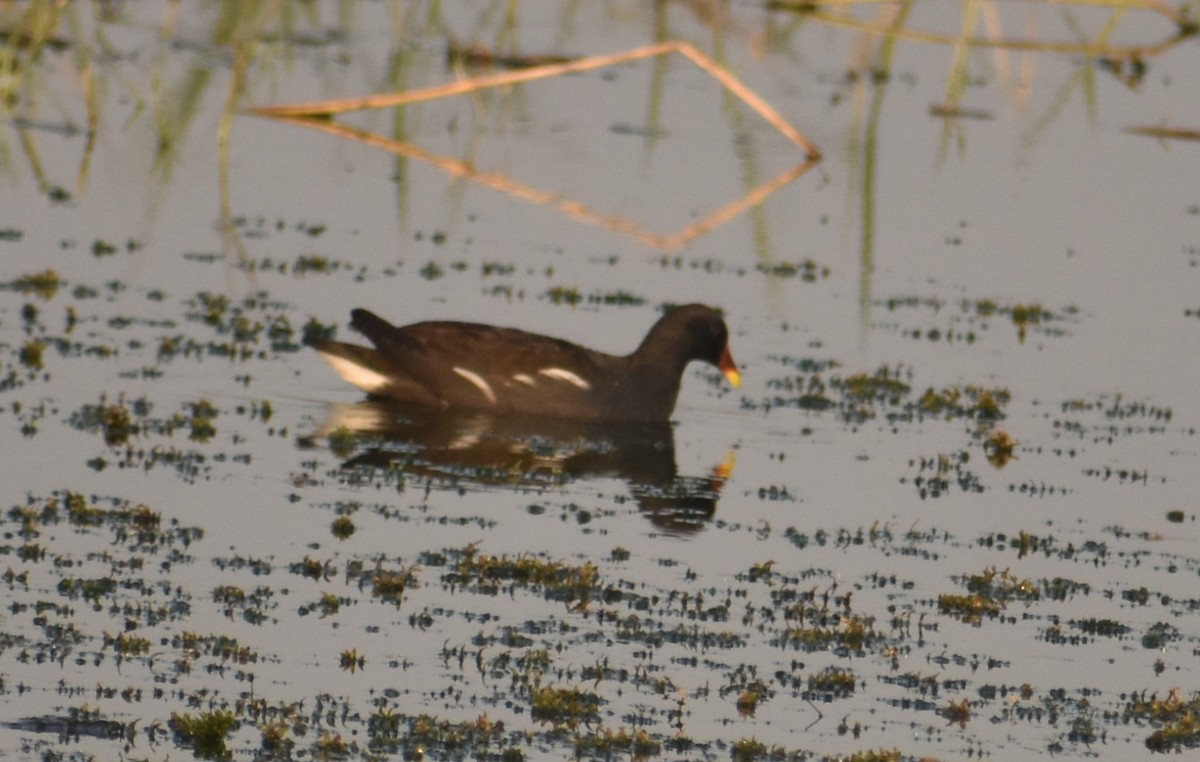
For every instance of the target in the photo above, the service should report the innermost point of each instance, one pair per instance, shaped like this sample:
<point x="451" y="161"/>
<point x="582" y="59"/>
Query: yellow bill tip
<point x="730" y="369"/>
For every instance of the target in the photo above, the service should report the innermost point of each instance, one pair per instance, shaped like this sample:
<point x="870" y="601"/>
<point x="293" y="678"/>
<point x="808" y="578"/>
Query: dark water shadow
<point x="484" y="451"/>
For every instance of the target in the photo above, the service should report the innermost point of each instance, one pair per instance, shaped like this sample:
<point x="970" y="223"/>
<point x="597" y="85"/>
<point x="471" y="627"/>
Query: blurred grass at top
<point x="74" y="70"/>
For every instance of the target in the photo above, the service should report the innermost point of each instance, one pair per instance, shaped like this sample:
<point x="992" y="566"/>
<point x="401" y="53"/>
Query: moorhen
<point x="469" y="366"/>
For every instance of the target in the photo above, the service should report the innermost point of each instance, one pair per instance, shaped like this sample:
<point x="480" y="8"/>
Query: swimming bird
<point x="471" y="366"/>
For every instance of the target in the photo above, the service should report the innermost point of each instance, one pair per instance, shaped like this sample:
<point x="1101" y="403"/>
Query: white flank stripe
<point x="476" y="379"/>
<point x="525" y="378"/>
<point x="466" y="441"/>
<point x="364" y="378"/>
<point x="562" y="374"/>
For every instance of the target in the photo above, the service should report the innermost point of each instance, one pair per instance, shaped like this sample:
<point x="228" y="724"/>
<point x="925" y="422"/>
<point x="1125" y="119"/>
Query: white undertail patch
<point x="562" y="374"/>
<point x="480" y="384"/>
<point x="363" y="377"/>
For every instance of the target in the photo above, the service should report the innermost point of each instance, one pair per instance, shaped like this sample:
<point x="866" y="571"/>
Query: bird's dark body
<point x="465" y="366"/>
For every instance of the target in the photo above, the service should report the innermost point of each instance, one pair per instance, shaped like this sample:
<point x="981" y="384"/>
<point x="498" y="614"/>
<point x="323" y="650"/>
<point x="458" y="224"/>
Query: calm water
<point x="824" y="562"/>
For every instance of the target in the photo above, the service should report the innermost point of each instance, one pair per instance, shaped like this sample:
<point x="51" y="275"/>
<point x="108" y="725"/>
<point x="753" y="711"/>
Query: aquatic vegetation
<point x="609" y="743"/>
<point x="313" y="569"/>
<point x="768" y="603"/>
<point x="999" y="447"/>
<point x="32" y="355"/>
<point x="351" y="660"/>
<point x="947" y="470"/>
<point x="884" y="385"/>
<point x="201" y="422"/>
<point x="575" y="585"/>
<point x="574" y="296"/>
<point x="44" y="285"/>
<point x="390" y="585"/>
<point x="256" y="327"/>
<point x="137" y="436"/>
<point x="970" y="402"/>
<point x="117" y="423"/>
<point x="87" y="589"/>
<point x="205" y="733"/>
<point x="221" y="647"/>
<point x="251" y="605"/>
<point x="127" y="645"/>
<point x="805" y="270"/>
<point x="831" y="682"/>
<point x="886" y="395"/>
<point x="967" y="322"/>
<point x="342" y="527"/>
<point x="1176" y="719"/>
<point x="565" y="706"/>
<point x="988" y="594"/>
<point x="880" y="755"/>
<point x="342" y="442"/>
<point x="958" y="712"/>
<point x="174" y="621"/>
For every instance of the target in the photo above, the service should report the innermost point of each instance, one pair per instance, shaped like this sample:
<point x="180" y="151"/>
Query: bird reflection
<point x="438" y="448"/>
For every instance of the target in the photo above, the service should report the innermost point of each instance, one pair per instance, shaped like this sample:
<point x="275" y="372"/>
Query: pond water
<point x="950" y="512"/>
